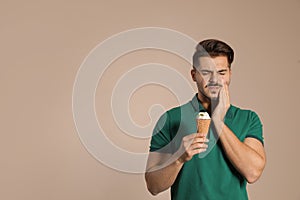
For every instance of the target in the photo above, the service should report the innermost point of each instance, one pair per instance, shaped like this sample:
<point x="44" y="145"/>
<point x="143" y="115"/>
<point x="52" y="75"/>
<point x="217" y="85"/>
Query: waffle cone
<point x="203" y="125"/>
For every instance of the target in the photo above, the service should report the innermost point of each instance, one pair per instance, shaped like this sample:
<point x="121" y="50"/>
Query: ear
<point x="193" y="74"/>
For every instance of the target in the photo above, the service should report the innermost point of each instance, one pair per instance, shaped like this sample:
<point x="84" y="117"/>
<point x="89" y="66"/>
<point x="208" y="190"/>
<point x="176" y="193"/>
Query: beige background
<point x="43" y="43"/>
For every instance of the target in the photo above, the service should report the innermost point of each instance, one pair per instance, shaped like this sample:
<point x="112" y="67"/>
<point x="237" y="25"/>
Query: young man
<point x="216" y="166"/>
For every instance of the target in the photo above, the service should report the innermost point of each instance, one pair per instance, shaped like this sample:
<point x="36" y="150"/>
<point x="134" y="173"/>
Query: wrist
<point x="219" y="125"/>
<point x="217" y="119"/>
<point x="179" y="161"/>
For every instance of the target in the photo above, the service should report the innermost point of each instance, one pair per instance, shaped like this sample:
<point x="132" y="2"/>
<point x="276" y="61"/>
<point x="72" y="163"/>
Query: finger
<point x="195" y="143"/>
<point x="189" y="137"/>
<point x="226" y="95"/>
<point x="192" y="152"/>
<point x="223" y="95"/>
<point x="225" y="86"/>
<point x="200" y="135"/>
<point x="226" y="89"/>
<point x="200" y="140"/>
<point x="198" y="146"/>
<point x="197" y="151"/>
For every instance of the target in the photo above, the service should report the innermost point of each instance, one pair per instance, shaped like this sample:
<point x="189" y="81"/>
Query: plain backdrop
<point x="43" y="44"/>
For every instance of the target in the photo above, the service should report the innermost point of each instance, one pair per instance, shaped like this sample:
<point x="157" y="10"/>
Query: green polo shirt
<point x="208" y="175"/>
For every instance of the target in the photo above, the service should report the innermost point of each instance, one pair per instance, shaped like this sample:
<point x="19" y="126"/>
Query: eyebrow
<point x="206" y="70"/>
<point x="222" y="70"/>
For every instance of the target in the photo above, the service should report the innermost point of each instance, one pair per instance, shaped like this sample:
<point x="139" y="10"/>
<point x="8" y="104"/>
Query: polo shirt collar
<point x="197" y="104"/>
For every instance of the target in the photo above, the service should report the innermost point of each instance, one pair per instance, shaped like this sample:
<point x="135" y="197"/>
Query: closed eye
<point x="205" y="72"/>
<point x="222" y="72"/>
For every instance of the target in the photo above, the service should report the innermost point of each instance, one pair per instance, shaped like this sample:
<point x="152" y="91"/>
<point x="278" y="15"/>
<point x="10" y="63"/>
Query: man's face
<point x="210" y="76"/>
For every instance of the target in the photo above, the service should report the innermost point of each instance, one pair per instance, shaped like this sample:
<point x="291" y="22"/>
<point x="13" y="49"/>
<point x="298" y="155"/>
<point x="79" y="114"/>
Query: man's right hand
<point x="160" y="176"/>
<point x="192" y="144"/>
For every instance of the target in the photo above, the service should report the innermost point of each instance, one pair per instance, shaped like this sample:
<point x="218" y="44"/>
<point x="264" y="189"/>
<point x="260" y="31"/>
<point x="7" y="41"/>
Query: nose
<point x="213" y="78"/>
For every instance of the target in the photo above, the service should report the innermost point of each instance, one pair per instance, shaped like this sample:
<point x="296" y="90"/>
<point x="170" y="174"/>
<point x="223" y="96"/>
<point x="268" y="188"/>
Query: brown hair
<point x="212" y="48"/>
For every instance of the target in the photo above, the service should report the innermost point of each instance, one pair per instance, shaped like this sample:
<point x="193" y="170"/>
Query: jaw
<point x="208" y="96"/>
<point x="213" y="95"/>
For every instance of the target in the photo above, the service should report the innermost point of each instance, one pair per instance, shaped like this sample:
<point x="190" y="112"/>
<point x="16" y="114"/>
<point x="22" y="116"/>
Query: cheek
<point x="225" y="79"/>
<point x="204" y="80"/>
<point x="228" y="80"/>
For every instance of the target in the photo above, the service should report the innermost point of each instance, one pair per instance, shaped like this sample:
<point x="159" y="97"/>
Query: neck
<point x="205" y="101"/>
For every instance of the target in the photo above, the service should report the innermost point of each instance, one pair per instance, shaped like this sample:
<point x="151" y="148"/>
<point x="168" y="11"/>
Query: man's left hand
<point x="222" y="104"/>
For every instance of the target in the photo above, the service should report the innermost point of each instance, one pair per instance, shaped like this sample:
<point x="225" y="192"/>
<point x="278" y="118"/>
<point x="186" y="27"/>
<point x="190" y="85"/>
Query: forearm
<point x="161" y="178"/>
<point x="162" y="168"/>
<point x="245" y="159"/>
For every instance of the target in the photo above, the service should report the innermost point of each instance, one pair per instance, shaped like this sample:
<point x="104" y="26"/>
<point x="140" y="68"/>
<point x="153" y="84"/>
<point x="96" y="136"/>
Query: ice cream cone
<point x="203" y="122"/>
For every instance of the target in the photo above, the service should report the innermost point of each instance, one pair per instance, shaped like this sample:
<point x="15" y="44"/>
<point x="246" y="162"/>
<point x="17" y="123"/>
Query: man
<point x="216" y="167"/>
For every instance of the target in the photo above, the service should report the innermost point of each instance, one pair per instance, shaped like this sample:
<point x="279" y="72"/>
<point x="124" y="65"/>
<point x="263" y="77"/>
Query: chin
<point x="214" y="98"/>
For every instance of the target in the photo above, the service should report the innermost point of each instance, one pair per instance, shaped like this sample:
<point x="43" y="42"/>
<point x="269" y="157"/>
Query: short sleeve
<point x="255" y="128"/>
<point x="161" y="134"/>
